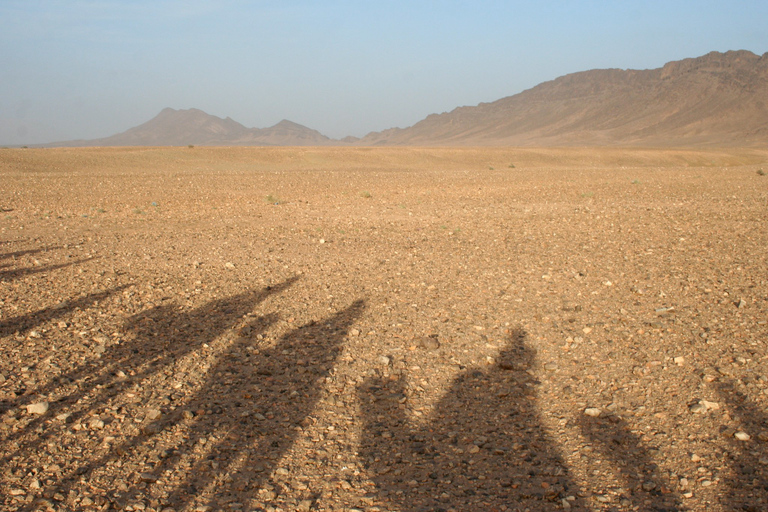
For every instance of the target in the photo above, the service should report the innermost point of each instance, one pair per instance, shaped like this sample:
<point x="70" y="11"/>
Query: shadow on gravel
<point x="10" y="275"/>
<point x="614" y="438"/>
<point x="29" y="321"/>
<point x="746" y="488"/>
<point x="482" y="448"/>
<point x="248" y="414"/>
<point x="180" y="433"/>
<point x="163" y="335"/>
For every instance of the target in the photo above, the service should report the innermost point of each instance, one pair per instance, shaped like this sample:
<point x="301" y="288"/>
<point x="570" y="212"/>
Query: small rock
<point x="714" y="406"/>
<point x="474" y="449"/>
<point x="698" y="408"/>
<point x="742" y="436"/>
<point x="550" y="367"/>
<point x="695" y="458"/>
<point x="586" y="330"/>
<point x="229" y="265"/>
<point x="354" y="332"/>
<point x="153" y="414"/>
<point x="95" y="424"/>
<point x="649" y="486"/>
<point x="35" y="334"/>
<point x="592" y="411"/>
<point x="679" y="361"/>
<point x="385" y="360"/>
<point x="148" y="478"/>
<point x="429" y="342"/>
<point x="322" y="240"/>
<point x="37" y="408"/>
<point x="304" y="506"/>
<point x="739" y="304"/>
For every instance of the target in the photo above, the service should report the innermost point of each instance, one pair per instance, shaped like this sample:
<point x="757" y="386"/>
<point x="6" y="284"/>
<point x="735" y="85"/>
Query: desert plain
<point x="383" y="329"/>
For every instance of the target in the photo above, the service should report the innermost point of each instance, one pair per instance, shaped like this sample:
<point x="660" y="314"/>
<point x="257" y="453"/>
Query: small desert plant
<point x="191" y="146"/>
<point x="587" y="194"/>
<point x="761" y="172"/>
<point x="635" y="182"/>
<point x="490" y="168"/>
<point x="511" y="166"/>
<point x="365" y="194"/>
<point x="271" y="199"/>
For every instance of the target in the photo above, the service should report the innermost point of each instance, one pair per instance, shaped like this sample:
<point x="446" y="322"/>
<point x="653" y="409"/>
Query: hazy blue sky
<point x="92" y="68"/>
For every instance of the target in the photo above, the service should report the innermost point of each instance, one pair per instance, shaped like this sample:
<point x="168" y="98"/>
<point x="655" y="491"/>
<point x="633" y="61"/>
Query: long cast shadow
<point x="23" y="323"/>
<point x="482" y="448"/>
<point x="617" y="442"/>
<point x="10" y="275"/>
<point x="258" y="411"/>
<point x="746" y="487"/>
<point x="251" y="403"/>
<point x="162" y="336"/>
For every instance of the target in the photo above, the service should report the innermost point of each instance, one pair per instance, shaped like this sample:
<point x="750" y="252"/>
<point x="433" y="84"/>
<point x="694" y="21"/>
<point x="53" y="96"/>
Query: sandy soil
<point x="383" y="329"/>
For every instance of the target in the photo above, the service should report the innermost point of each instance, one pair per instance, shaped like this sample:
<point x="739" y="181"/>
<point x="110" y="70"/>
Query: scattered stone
<point x="354" y="332"/>
<point x="649" y="486"/>
<point x="148" y="478"/>
<point x="153" y="414"/>
<point x="37" y="408"/>
<point x="95" y="423"/>
<point x="551" y="366"/>
<point x="385" y="360"/>
<point x="229" y="265"/>
<point x="429" y="342"/>
<point x="742" y="436"/>
<point x="594" y="412"/>
<point x="679" y="361"/>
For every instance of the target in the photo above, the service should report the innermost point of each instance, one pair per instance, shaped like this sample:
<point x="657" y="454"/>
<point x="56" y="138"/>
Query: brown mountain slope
<point x="182" y="127"/>
<point x="720" y="99"/>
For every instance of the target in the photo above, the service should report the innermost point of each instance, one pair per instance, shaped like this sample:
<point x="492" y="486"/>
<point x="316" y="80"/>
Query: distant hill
<point x="717" y="99"/>
<point x="183" y="127"/>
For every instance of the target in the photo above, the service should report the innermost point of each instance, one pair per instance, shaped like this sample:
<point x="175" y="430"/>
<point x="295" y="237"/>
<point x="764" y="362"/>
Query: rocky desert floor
<point x="383" y="329"/>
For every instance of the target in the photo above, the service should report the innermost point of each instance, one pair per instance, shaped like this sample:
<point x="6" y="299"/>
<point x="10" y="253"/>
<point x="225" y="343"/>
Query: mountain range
<point x="716" y="99"/>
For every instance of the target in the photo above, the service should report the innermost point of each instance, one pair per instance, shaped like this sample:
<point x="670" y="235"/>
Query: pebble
<point x="385" y="360"/>
<point x="429" y="342"/>
<point x="742" y="436"/>
<point x="592" y="411"/>
<point x="153" y="414"/>
<point x="551" y="366"/>
<point x="229" y="265"/>
<point x="148" y="478"/>
<point x="37" y="408"/>
<point x="354" y="332"/>
<point x="95" y="424"/>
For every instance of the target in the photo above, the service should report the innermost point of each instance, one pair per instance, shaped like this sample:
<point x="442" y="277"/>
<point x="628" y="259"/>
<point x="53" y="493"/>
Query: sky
<point x="82" y="69"/>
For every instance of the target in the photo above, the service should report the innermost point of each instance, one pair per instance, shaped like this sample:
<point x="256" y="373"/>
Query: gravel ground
<point x="383" y="329"/>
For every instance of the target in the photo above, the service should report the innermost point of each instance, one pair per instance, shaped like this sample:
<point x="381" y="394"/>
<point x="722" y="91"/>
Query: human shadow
<point x="162" y="336"/>
<point x="746" y="486"/>
<point x="237" y="424"/>
<point x="255" y="412"/>
<point x="615" y="439"/>
<point x="482" y="448"/>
